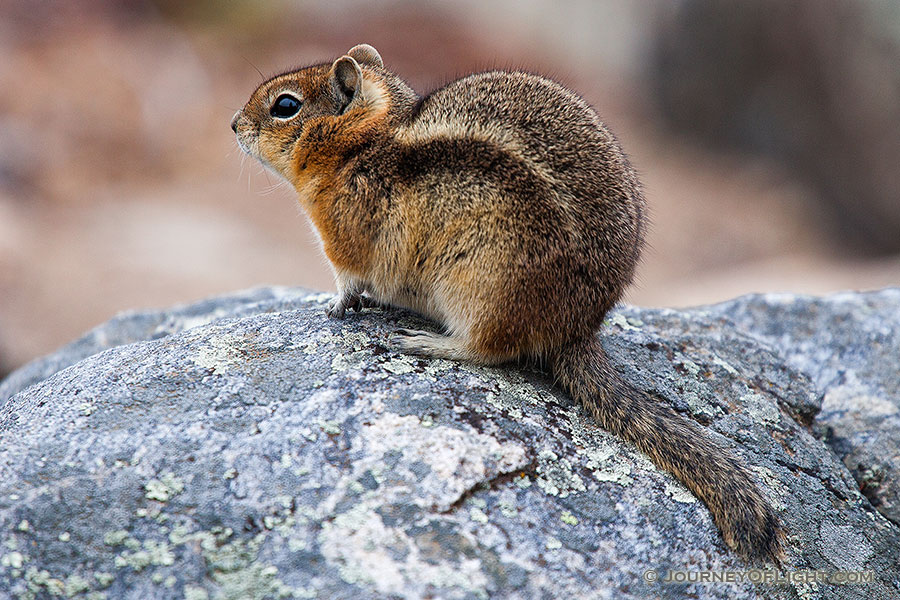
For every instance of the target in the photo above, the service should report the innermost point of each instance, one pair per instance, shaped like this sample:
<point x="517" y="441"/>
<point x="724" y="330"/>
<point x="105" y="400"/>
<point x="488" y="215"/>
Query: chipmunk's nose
<point x="234" y="121"/>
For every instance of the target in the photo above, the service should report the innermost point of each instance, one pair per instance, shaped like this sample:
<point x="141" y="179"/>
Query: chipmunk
<point x="501" y="207"/>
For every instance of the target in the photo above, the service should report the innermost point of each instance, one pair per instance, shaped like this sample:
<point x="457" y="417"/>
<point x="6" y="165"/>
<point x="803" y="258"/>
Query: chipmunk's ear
<point x="366" y="55"/>
<point x="346" y="80"/>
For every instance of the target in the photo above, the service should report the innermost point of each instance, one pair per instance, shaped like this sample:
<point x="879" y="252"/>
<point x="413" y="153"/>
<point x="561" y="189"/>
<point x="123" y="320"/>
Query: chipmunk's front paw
<point x="349" y="300"/>
<point x="338" y="306"/>
<point x="335" y="309"/>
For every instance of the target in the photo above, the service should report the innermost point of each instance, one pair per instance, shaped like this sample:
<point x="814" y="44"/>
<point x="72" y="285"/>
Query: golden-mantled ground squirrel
<point x="501" y="207"/>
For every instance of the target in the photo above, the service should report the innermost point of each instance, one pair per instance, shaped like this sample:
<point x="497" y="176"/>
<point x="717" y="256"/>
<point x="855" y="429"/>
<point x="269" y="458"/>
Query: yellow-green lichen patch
<point x="234" y="564"/>
<point x="522" y="481"/>
<point x="679" y="493"/>
<point x="487" y="377"/>
<point x="616" y="473"/>
<point x="356" y="340"/>
<point x="23" y="525"/>
<point x="761" y="409"/>
<point x="116" y="538"/>
<point x="619" y="320"/>
<point x="13" y="560"/>
<point x="311" y="345"/>
<point x="555" y="475"/>
<point x="76" y="584"/>
<point x="568" y="518"/>
<point x="399" y="366"/>
<point x="699" y="406"/>
<point x="320" y="298"/>
<point x="164" y="488"/>
<point x="297" y="544"/>
<point x="604" y="458"/>
<point x="151" y="553"/>
<point x="478" y="515"/>
<point x="221" y="353"/>
<point x="553" y="543"/>
<point x="690" y="366"/>
<point x="40" y="580"/>
<point x="133" y="544"/>
<point x="435" y="367"/>
<point x="522" y="391"/>
<point x="780" y="492"/>
<point x="508" y="508"/>
<point x="346" y="362"/>
<point x="330" y="427"/>
<point x="514" y="410"/>
<point x="240" y="575"/>
<point x="192" y="592"/>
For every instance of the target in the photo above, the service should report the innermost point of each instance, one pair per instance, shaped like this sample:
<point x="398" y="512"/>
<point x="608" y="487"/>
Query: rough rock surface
<point x="249" y="447"/>
<point x="849" y="345"/>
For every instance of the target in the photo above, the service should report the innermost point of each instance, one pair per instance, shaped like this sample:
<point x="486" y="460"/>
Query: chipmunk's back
<point x="534" y="118"/>
<point x="559" y="139"/>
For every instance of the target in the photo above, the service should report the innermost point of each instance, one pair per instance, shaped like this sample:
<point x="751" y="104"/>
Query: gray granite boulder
<point x="849" y="345"/>
<point x="249" y="447"/>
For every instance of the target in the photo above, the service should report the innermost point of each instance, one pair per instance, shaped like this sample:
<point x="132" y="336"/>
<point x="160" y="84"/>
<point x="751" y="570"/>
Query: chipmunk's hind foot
<point x="435" y="345"/>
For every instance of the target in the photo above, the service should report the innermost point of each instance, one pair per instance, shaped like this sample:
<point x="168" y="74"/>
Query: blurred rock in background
<point x="812" y="84"/>
<point x="121" y="185"/>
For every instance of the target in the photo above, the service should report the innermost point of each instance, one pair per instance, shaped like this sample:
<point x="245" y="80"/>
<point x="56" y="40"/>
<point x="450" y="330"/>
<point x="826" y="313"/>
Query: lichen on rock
<point x="249" y="447"/>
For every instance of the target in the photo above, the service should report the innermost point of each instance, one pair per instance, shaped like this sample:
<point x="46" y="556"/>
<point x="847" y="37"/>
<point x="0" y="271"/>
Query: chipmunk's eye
<point x="285" y="107"/>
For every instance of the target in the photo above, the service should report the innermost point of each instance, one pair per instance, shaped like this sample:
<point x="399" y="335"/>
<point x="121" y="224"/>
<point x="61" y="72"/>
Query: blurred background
<point x="767" y="134"/>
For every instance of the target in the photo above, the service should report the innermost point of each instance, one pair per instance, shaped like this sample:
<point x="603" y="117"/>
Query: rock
<point x="138" y="326"/>
<point x="848" y="345"/>
<point x="249" y="447"/>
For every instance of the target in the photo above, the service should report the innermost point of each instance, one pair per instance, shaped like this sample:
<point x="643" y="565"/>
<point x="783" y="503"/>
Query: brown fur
<point x="502" y="207"/>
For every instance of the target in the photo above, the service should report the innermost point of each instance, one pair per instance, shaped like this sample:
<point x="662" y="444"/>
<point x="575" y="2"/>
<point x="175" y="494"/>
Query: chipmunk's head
<point x="337" y="98"/>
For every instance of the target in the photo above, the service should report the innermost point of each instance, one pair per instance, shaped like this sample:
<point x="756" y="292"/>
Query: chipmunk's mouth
<point x="249" y="145"/>
<point x="247" y="138"/>
<point x="256" y="146"/>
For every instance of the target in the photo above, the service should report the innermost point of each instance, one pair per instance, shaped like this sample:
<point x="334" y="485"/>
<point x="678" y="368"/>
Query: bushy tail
<point x="675" y="444"/>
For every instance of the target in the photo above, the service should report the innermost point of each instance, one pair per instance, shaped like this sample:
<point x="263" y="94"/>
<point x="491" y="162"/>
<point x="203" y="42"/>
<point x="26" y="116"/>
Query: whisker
<point x="247" y="60"/>
<point x="271" y="189"/>
<point x="243" y="162"/>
